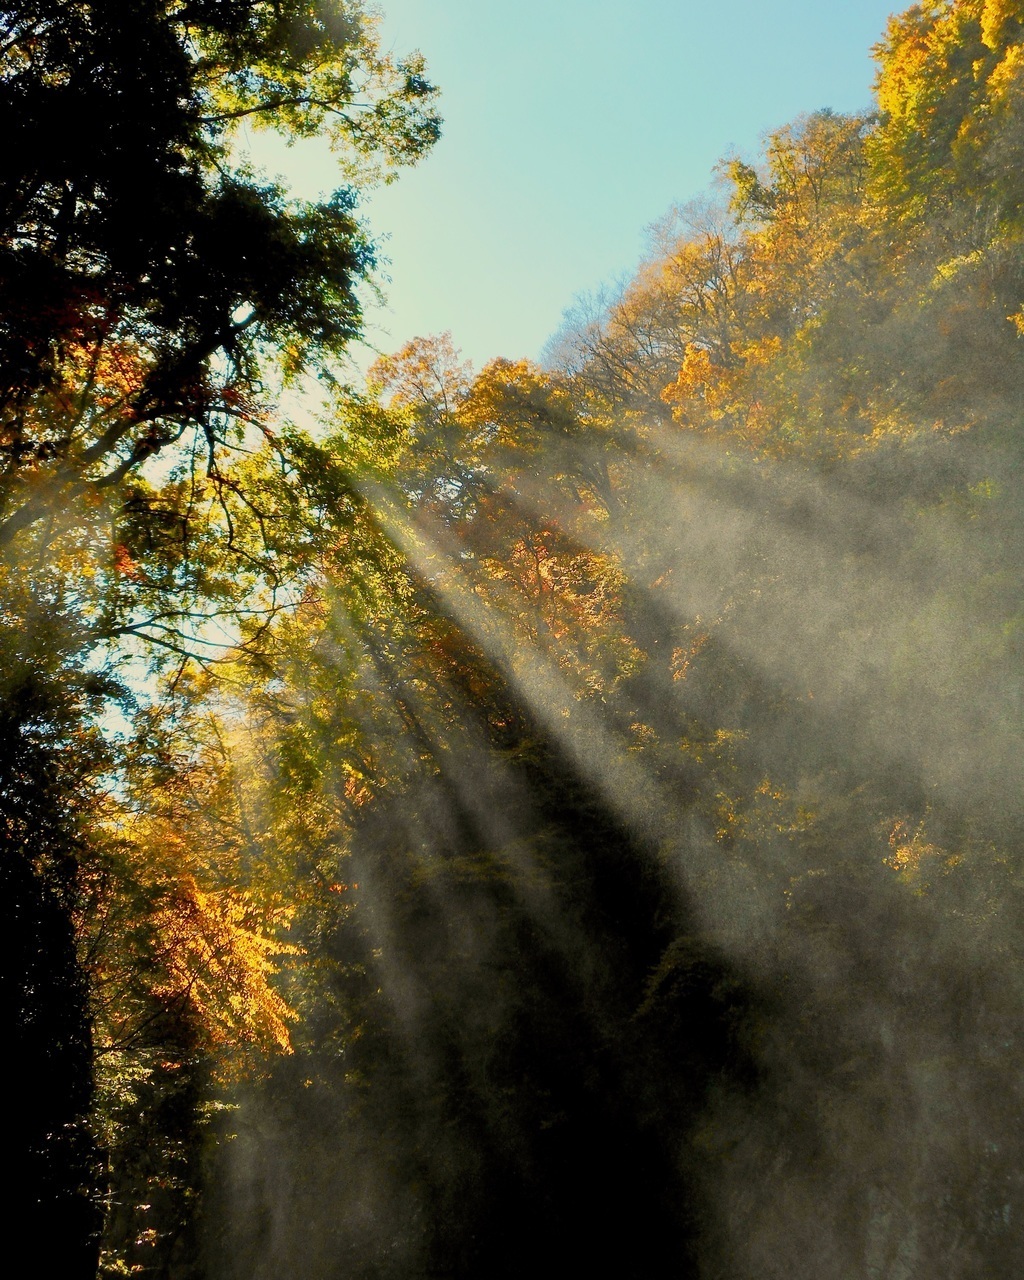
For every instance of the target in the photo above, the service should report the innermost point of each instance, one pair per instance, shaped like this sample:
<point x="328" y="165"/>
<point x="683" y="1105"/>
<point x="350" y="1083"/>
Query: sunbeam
<point x="544" y="817"/>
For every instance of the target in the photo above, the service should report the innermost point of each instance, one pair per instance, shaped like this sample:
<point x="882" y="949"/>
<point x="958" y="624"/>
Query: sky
<point x="570" y="127"/>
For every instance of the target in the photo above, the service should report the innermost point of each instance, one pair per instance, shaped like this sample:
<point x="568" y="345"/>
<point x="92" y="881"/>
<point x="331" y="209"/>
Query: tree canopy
<point x="152" y="291"/>
<point x="145" y="275"/>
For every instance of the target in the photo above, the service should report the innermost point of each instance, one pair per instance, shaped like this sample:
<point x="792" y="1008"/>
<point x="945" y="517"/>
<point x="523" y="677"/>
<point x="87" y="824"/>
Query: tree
<point x="152" y="287"/>
<point x="48" y="763"/>
<point x="128" y="322"/>
<point x="949" y="89"/>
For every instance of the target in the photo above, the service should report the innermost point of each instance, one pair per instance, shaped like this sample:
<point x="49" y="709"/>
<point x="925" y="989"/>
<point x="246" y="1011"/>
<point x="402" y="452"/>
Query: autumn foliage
<point x="562" y="793"/>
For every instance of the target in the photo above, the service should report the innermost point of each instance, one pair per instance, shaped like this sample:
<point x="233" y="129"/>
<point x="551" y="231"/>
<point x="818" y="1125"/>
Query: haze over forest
<point x="557" y="817"/>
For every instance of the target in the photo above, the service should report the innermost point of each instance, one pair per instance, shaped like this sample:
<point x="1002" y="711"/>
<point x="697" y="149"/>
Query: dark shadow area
<point x="534" y="1029"/>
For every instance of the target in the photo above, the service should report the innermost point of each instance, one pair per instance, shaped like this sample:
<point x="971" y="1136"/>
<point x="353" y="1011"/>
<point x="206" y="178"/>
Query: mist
<point x="687" y="937"/>
<point x="549" y="817"/>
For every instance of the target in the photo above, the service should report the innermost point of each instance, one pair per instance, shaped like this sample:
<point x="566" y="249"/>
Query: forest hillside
<point x="559" y="815"/>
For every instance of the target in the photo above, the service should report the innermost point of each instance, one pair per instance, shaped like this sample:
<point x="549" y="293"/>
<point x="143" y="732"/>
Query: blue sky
<point x="571" y="126"/>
